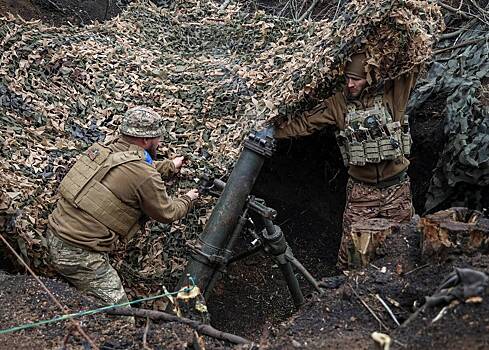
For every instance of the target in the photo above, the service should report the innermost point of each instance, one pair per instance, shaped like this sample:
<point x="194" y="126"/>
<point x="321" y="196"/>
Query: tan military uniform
<point x="79" y="237"/>
<point x="377" y="188"/>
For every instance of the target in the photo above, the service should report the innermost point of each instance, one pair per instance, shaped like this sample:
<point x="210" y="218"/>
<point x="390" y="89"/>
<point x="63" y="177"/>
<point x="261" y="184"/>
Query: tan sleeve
<point x="155" y="202"/>
<point x="309" y="122"/>
<point x="401" y="91"/>
<point x="165" y="167"/>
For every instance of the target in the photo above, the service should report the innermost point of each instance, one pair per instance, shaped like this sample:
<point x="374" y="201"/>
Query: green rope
<point x="91" y="312"/>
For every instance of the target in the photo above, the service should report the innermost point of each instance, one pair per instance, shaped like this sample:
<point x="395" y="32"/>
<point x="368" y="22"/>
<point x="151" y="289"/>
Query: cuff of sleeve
<point x="172" y="167"/>
<point x="187" y="200"/>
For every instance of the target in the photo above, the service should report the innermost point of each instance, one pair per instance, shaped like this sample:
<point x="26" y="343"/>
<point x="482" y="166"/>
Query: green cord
<point x="90" y="312"/>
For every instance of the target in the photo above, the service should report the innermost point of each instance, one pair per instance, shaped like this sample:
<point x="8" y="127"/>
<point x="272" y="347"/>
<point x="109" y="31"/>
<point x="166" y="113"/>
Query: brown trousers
<point x="369" y="202"/>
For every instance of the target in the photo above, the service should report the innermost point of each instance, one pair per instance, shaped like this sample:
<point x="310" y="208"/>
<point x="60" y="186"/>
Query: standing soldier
<point x="109" y="194"/>
<point x="374" y="140"/>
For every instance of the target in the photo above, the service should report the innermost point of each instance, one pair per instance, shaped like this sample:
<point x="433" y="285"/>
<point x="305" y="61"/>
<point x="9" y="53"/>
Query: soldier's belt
<point x="392" y="181"/>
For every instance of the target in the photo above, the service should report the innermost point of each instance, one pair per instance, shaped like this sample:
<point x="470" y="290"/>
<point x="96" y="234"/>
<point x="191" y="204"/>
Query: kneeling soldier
<point x="109" y="194"/>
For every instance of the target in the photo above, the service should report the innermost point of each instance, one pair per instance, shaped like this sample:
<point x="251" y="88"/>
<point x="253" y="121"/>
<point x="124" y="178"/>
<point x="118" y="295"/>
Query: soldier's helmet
<point x="141" y="122"/>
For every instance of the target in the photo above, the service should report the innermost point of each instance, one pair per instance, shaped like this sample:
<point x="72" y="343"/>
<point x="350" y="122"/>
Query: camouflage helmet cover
<point x="141" y="122"/>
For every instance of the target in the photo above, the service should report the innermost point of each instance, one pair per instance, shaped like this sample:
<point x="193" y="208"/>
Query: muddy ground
<point x="338" y="318"/>
<point x="307" y="190"/>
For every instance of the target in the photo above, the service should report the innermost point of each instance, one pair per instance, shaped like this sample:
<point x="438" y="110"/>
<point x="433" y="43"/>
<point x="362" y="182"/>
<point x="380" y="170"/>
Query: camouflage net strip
<point x="213" y="75"/>
<point x="462" y="74"/>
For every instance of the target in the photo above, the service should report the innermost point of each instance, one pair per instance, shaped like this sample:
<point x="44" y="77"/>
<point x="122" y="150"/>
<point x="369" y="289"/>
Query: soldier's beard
<point x="153" y="150"/>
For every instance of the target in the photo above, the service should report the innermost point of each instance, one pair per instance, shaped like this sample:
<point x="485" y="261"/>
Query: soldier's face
<point x="355" y="85"/>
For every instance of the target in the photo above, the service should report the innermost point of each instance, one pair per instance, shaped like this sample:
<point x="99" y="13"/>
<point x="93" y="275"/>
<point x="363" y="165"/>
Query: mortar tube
<point x="224" y="217"/>
<point x="229" y="248"/>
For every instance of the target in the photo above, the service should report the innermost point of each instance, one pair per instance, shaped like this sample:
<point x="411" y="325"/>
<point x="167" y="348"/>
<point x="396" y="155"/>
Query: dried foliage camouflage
<point x="213" y="74"/>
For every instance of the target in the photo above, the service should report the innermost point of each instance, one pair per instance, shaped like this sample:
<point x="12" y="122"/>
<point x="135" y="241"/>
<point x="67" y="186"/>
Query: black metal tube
<point x="245" y="254"/>
<point x="292" y="284"/>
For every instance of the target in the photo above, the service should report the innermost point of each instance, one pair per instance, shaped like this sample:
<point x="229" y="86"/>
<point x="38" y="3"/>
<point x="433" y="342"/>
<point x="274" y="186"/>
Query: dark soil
<point x="23" y="301"/>
<point x="335" y="319"/>
<point x="338" y="319"/>
<point x="62" y="12"/>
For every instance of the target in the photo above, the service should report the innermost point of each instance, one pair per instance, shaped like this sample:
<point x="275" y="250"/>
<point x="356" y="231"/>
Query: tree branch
<point x="309" y="10"/>
<point x="163" y="316"/>
<point x="465" y="43"/>
<point x="454" y="10"/>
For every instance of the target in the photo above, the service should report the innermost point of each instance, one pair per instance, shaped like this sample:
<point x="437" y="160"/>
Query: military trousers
<point x="364" y="201"/>
<point x="88" y="271"/>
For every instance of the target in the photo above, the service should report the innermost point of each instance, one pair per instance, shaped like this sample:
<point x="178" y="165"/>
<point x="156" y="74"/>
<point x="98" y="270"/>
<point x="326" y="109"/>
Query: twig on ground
<point x="416" y="269"/>
<point x="107" y="6"/>
<point x="55" y="5"/>
<point x="66" y="339"/>
<point x="399" y="343"/>
<point x="442" y="313"/>
<point x="459" y="31"/>
<point x="64" y="309"/>
<point x="388" y="309"/>
<point x="145" y="335"/>
<point x="163" y="316"/>
<point x="368" y="307"/>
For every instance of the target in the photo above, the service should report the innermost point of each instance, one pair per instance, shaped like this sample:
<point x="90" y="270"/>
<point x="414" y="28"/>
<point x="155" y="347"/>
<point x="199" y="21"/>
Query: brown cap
<point x="356" y="66"/>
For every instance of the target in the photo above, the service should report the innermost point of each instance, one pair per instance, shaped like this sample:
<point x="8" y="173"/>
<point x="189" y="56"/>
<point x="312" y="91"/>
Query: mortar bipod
<point x="270" y="240"/>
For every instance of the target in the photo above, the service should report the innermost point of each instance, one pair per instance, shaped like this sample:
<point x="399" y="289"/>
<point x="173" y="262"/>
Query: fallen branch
<point x="368" y="307"/>
<point x="389" y="311"/>
<point x="163" y="316"/>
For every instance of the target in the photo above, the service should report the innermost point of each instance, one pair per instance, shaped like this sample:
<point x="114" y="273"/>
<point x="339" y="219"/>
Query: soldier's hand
<point x="178" y="162"/>
<point x="193" y="194"/>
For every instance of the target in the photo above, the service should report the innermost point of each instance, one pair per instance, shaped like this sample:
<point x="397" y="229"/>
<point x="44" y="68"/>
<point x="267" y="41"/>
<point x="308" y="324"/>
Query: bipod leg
<point x="245" y="254"/>
<point x="291" y="279"/>
<point x="297" y="264"/>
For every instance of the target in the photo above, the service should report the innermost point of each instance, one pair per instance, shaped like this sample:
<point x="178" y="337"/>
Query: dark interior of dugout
<point x="305" y="183"/>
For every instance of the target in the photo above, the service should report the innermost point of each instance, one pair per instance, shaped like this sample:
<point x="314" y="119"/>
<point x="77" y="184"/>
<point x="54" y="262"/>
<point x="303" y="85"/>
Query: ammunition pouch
<point x="370" y="136"/>
<point x="82" y="188"/>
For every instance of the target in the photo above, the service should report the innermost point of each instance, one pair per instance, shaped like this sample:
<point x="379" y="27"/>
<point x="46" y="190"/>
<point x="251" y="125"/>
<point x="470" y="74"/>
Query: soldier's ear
<point x="145" y="141"/>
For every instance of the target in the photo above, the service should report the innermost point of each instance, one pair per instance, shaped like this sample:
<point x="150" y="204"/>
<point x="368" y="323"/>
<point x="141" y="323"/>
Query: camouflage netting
<point x="463" y="75"/>
<point x="213" y="74"/>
